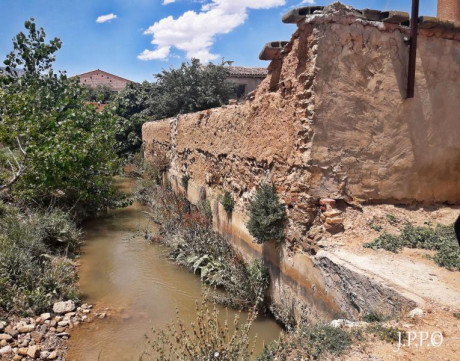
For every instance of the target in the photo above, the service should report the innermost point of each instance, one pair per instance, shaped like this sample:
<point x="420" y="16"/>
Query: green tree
<point x="55" y="147"/>
<point x="131" y="107"/>
<point x="101" y="93"/>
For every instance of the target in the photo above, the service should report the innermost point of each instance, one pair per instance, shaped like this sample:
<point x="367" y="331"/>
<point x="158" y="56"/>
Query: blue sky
<point x="209" y="29"/>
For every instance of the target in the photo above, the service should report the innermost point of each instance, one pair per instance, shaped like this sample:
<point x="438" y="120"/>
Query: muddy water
<point x="141" y="288"/>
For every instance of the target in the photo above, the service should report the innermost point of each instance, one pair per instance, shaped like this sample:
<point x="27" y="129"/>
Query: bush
<point x="184" y="181"/>
<point x="267" y="216"/>
<point x="441" y="239"/>
<point x="373" y="317"/>
<point x="208" y="338"/>
<point x="33" y="273"/>
<point x="227" y="202"/>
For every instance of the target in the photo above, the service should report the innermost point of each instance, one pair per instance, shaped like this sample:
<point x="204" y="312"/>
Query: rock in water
<point x="64" y="307"/>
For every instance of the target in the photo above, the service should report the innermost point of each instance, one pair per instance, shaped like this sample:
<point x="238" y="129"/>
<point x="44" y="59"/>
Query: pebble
<point x="45" y="316"/>
<point x="26" y="328"/>
<point x="5" y="336"/>
<point x="33" y="351"/>
<point x="53" y="355"/>
<point x="6" y="350"/>
<point x="416" y="312"/>
<point x="64" y="307"/>
<point x="37" y="336"/>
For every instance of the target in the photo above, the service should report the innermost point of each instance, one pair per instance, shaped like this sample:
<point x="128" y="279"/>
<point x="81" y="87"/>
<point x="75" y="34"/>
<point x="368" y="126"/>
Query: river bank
<point x="133" y="278"/>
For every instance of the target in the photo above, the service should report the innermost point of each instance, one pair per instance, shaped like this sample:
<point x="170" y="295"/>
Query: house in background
<point x="99" y="77"/>
<point x="246" y="79"/>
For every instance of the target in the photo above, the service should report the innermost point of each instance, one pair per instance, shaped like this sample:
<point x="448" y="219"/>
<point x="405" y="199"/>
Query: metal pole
<point x="413" y="49"/>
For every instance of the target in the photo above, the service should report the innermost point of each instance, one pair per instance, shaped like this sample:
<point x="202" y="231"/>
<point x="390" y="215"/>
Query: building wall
<point x="338" y="125"/>
<point x="95" y="78"/>
<point x="449" y="10"/>
<point x="251" y="83"/>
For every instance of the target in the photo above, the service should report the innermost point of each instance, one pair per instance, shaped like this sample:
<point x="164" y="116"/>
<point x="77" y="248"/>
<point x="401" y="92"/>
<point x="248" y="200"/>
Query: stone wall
<point x="330" y="127"/>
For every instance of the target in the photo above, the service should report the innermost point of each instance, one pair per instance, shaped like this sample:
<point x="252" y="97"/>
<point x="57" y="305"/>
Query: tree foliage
<point x="63" y="146"/>
<point x="101" y="94"/>
<point x="190" y="88"/>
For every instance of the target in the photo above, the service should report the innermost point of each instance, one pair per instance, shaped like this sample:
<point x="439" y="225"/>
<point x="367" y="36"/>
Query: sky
<point x="138" y="38"/>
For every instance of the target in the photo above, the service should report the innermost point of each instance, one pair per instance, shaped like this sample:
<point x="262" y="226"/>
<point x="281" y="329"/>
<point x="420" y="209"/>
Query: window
<point x="240" y="90"/>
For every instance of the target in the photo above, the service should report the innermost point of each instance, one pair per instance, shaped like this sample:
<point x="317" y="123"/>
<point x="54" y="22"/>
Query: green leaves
<point x="267" y="215"/>
<point x="69" y="145"/>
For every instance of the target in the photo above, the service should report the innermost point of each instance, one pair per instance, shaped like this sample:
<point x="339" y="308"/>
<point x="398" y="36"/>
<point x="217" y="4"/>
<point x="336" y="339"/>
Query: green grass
<point x="441" y="239"/>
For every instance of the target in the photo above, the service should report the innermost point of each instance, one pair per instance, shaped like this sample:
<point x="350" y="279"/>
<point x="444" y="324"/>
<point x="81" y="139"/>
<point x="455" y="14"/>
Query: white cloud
<point x="160" y="53"/>
<point x="303" y="2"/>
<point x="194" y="33"/>
<point x="104" y="18"/>
<point x="166" y="2"/>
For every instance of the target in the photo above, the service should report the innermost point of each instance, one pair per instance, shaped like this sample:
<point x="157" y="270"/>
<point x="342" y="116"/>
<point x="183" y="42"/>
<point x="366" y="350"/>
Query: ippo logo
<point x="420" y="339"/>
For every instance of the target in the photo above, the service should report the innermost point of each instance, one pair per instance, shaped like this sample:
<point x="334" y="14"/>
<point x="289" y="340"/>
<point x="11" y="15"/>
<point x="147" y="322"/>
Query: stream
<point x="138" y="285"/>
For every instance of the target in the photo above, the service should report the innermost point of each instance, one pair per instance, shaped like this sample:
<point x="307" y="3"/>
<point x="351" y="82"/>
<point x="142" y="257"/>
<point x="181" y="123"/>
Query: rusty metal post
<point x="413" y="49"/>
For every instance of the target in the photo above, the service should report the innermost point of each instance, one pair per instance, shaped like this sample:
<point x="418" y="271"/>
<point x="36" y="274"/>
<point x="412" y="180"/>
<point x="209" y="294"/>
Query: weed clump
<point x="373" y="317"/>
<point x="34" y="270"/>
<point x="184" y="180"/>
<point x="441" y="239"/>
<point x="387" y="334"/>
<point x="207" y="338"/>
<point x="308" y="342"/>
<point x="267" y="216"/>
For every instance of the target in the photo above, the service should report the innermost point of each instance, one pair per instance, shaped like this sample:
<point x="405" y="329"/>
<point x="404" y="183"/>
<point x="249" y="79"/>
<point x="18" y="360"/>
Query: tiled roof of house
<point x="241" y="71"/>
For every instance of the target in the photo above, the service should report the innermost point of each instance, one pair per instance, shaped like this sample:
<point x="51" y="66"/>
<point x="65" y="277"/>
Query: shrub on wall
<point x="267" y="215"/>
<point x="227" y="202"/>
<point x="185" y="179"/>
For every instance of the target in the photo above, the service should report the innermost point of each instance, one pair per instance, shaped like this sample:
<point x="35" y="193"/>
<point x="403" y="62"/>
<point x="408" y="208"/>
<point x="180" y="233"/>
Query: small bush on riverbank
<point x="33" y="270"/>
<point x="441" y="239"/>
<point x="187" y="231"/>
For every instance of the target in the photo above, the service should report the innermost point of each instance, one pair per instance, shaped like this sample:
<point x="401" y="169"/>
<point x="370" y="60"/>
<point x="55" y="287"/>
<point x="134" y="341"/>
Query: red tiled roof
<point x="241" y="71"/>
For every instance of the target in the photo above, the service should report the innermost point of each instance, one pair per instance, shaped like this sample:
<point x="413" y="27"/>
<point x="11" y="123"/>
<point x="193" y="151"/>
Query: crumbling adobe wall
<point x="372" y="144"/>
<point x="330" y="121"/>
